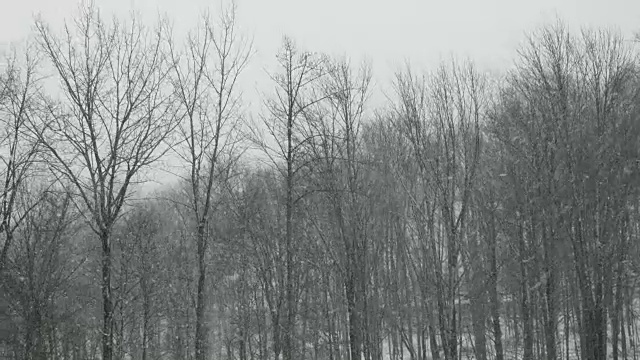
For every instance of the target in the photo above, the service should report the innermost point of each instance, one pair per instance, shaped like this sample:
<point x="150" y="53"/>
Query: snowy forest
<point x="467" y="215"/>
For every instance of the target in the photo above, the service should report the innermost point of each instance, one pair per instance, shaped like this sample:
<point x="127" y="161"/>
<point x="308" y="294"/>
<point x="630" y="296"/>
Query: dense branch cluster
<point x="467" y="217"/>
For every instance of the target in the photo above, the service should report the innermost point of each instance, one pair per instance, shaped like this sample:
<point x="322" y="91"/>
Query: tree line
<point x="467" y="216"/>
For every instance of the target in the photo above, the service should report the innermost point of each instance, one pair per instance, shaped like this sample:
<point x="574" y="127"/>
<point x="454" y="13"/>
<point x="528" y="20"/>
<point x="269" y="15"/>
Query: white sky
<point x="386" y="32"/>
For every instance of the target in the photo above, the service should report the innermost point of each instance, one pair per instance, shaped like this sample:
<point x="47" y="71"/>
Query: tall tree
<point x="442" y="123"/>
<point x="110" y="124"/>
<point x="20" y="93"/>
<point x="205" y="81"/>
<point x="296" y="92"/>
<point x="567" y="136"/>
<point x="337" y="134"/>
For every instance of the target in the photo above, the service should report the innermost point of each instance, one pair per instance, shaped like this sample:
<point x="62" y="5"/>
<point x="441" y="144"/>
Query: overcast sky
<point x="386" y="32"/>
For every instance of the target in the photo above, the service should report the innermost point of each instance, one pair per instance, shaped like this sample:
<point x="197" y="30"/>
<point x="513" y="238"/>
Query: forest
<point x="465" y="216"/>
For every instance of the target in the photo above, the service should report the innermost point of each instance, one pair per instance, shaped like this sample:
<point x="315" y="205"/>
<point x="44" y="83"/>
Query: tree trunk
<point x="354" y="339"/>
<point x="550" y="324"/>
<point x="623" y="335"/>
<point x="33" y="338"/>
<point x="200" y="341"/>
<point x="107" y="306"/>
<point x="452" y="344"/>
<point x="145" y="321"/>
<point x="5" y="248"/>
<point x="329" y="316"/>
<point x="365" y="348"/>
<point x="477" y="280"/>
<point x="287" y="350"/>
<point x="525" y="301"/>
<point x="433" y="342"/>
<point x="277" y="344"/>
<point x="242" y="345"/>
<point x="495" y="301"/>
<point x="616" y="313"/>
<point x="478" y="319"/>
<point x="447" y="299"/>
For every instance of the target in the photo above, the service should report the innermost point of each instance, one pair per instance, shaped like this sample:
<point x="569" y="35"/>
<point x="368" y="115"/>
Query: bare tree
<point x="138" y="239"/>
<point x="261" y="217"/>
<point x="40" y="270"/>
<point x="19" y="99"/>
<point x="441" y="116"/>
<point x="336" y="131"/>
<point x="205" y="80"/>
<point x="566" y="134"/>
<point x="414" y="143"/>
<point x="111" y="123"/>
<point x="296" y="94"/>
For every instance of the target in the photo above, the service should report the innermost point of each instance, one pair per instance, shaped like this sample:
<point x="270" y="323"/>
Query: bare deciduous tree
<point x="205" y="81"/>
<point x="441" y="119"/>
<point x="296" y="93"/>
<point x="19" y="99"/>
<point x="111" y="123"/>
<point x="336" y="134"/>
